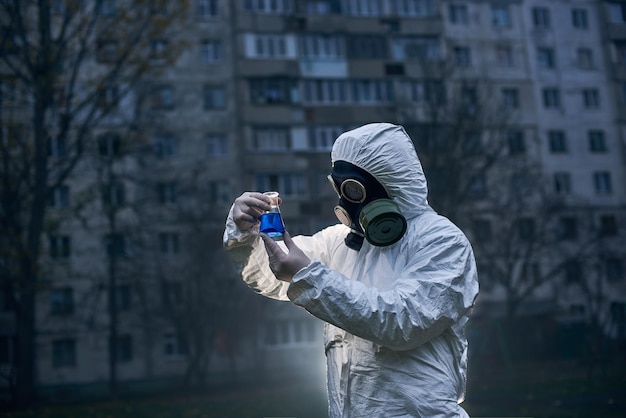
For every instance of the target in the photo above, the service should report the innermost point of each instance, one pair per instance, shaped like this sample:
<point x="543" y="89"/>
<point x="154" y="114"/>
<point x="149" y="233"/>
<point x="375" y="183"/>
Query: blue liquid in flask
<point x="272" y="224"/>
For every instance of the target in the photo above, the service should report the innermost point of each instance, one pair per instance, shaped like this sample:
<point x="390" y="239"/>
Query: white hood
<point x="386" y="152"/>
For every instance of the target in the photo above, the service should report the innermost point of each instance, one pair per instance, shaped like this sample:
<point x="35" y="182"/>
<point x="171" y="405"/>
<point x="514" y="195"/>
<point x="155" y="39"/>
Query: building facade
<point x="254" y="102"/>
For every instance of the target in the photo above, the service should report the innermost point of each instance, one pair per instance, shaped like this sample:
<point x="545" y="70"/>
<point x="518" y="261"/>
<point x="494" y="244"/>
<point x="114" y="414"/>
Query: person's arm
<point x="248" y="253"/>
<point x="435" y="290"/>
<point x="242" y="241"/>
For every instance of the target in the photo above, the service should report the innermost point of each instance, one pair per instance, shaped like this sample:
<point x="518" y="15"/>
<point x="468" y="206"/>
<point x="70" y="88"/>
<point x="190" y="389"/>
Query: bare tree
<point x="65" y="65"/>
<point x="460" y="130"/>
<point x="200" y="298"/>
<point x="484" y="173"/>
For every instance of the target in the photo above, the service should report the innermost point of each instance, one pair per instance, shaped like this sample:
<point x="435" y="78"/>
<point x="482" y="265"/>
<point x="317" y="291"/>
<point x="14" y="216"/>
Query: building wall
<point x="275" y="100"/>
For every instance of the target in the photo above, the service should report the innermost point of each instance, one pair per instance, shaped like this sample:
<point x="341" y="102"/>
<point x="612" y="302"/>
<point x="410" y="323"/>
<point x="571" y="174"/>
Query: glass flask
<point x="271" y="220"/>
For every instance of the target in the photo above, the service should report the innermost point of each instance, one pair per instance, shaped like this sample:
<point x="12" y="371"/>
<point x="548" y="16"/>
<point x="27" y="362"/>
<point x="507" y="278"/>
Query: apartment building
<point x="255" y="101"/>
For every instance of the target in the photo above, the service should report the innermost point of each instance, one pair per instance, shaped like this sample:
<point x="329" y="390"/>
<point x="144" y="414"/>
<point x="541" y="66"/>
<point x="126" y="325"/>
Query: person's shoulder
<point x="432" y="227"/>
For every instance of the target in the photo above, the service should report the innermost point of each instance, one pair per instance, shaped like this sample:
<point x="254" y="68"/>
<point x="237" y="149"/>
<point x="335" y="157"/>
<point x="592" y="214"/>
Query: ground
<point x="547" y="389"/>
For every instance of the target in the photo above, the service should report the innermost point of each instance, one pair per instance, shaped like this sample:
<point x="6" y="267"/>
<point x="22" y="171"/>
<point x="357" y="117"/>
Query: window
<point x="162" y="98"/>
<point x="217" y="145"/>
<point x="62" y="301"/>
<point x="328" y="91"/>
<point x="169" y="243"/>
<point x="275" y="90"/>
<point x="482" y="230"/>
<point x="551" y="98"/>
<point x="157" y="49"/>
<point x="371" y="91"/>
<point x="504" y="56"/>
<point x="269" y="46"/>
<point x="423" y="48"/>
<point x="526" y="229"/>
<point x="165" y="146"/>
<point x="172" y="294"/>
<point x="210" y="51"/>
<point x="57" y="147"/>
<point x="591" y="99"/>
<point x="618" y="318"/>
<point x="517" y="144"/>
<point x="614" y="269"/>
<point x="59" y="197"/>
<point x="361" y="8"/>
<point x="214" y="97"/>
<point x="619" y="48"/>
<point x="584" y="57"/>
<point x="557" y="142"/>
<point x="167" y="193"/>
<point x="562" y="183"/>
<point x="270" y="6"/>
<point x="59" y="246"/>
<point x="64" y="352"/>
<point x="290" y="185"/>
<point x="510" y="98"/>
<point x="424" y="91"/>
<point x="271" y="139"/>
<point x="597" y="142"/>
<point x="322" y="137"/>
<point x="115" y="245"/>
<point x="602" y="182"/>
<point x="462" y="56"/>
<point x="322" y="46"/>
<point x="325" y="91"/>
<point x="367" y="47"/>
<point x="219" y="192"/>
<point x="206" y="9"/>
<point x="608" y="225"/>
<point x="458" y="14"/>
<point x="174" y="347"/>
<point x="114" y="195"/>
<point x="572" y="270"/>
<point x="123" y="300"/>
<point x="319" y="7"/>
<point x="617" y="12"/>
<point x="468" y="100"/>
<point x="500" y="16"/>
<point x="108" y="97"/>
<point x="579" y="18"/>
<point x="109" y="144"/>
<point x="412" y="8"/>
<point x="545" y="58"/>
<point x="541" y="17"/>
<point x="567" y="228"/>
<point x="124" y="348"/>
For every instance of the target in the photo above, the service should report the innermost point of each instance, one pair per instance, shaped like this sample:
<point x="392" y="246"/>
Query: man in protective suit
<point x="393" y="281"/>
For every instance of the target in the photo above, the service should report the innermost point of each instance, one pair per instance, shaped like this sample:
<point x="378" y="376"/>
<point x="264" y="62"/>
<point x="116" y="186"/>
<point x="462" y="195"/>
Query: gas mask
<point x="365" y="207"/>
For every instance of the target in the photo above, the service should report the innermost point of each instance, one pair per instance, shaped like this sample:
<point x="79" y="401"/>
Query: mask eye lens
<point x="353" y="191"/>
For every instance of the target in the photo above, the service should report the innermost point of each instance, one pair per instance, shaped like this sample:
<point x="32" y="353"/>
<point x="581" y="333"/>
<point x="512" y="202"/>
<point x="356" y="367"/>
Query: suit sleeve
<point x="434" y="290"/>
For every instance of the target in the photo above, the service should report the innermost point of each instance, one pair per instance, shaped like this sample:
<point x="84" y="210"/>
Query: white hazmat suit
<point x="395" y="315"/>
